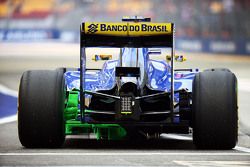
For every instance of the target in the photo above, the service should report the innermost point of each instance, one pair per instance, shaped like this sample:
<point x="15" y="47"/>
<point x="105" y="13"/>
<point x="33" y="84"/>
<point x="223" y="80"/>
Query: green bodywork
<point x="74" y="126"/>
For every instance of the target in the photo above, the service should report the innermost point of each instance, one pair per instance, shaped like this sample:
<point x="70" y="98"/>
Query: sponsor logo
<point x="92" y="28"/>
<point x="106" y="27"/>
<point x="135" y="28"/>
<point x="128" y="28"/>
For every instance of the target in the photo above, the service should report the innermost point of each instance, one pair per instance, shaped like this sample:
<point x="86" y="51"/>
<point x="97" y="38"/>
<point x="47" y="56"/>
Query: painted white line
<point x="176" y="136"/>
<point x="243" y="149"/>
<point x="8" y="119"/>
<point x="244" y="84"/>
<point x="213" y="163"/>
<point x="127" y="154"/>
<point x="7" y="91"/>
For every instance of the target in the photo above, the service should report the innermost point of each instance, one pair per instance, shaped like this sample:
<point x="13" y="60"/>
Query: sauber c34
<point x="134" y="96"/>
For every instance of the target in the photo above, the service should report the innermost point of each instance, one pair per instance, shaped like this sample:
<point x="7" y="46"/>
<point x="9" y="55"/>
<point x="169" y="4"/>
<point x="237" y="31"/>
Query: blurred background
<point x="218" y="26"/>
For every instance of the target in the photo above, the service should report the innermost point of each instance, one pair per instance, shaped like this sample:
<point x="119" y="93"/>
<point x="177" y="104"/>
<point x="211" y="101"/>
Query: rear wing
<point x="127" y="34"/>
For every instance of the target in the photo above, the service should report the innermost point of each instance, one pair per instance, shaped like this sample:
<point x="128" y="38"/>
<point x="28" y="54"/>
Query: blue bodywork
<point x="154" y="73"/>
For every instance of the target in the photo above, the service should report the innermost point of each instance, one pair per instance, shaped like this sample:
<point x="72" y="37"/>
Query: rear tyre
<point x="215" y="117"/>
<point x="40" y="109"/>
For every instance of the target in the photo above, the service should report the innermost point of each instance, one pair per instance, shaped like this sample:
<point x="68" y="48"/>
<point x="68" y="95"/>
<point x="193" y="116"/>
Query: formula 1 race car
<point x="132" y="97"/>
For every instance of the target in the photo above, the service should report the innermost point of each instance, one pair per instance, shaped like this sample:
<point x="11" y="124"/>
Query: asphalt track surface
<point x="170" y="150"/>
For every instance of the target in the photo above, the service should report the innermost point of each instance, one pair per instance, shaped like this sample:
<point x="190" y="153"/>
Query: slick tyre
<point x="40" y="109"/>
<point x="214" y="108"/>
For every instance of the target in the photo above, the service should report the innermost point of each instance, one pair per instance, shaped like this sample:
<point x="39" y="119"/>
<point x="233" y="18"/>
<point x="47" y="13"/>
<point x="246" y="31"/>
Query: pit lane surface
<point x="171" y="150"/>
<point x="167" y="152"/>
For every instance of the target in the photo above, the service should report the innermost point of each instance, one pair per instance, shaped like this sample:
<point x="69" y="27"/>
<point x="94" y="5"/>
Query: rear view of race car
<point x="132" y="97"/>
